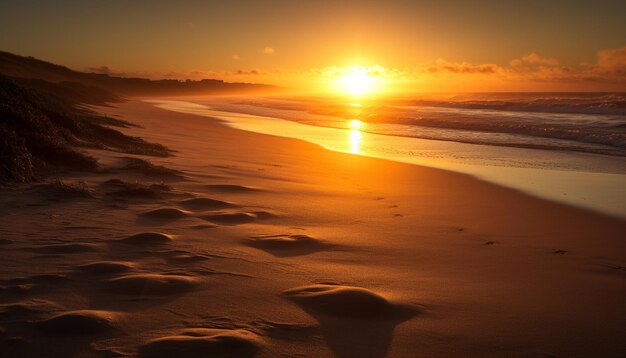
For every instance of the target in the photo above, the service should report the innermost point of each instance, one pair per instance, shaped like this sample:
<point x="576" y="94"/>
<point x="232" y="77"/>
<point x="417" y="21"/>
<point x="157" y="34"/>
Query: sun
<point x="356" y="81"/>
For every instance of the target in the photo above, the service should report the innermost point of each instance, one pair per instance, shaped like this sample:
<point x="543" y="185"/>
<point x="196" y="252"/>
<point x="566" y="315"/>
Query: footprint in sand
<point x="122" y="190"/>
<point x="354" y="321"/>
<point x="23" y="285"/>
<point x="147" y="239"/>
<point x="205" y="204"/>
<point x="345" y="301"/>
<point x="230" y="188"/>
<point x="229" y="218"/>
<point x="107" y="267"/>
<point x="28" y="309"/>
<point x="151" y="284"/>
<point x="78" y="322"/>
<point x="164" y="214"/>
<point x="74" y="248"/>
<point x="287" y="244"/>
<point x="203" y="342"/>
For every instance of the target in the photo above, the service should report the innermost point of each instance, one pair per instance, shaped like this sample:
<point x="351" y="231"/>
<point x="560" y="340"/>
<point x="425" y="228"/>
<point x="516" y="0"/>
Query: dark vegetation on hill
<point x="43" y="119"/>
<point x="41" y="126"/>
<point x="29" y="67"/>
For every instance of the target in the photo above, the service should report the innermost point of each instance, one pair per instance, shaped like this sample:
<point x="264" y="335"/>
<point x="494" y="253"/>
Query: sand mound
<point x="203" y="342"/>
<point x="66" y="248"/>
<point x="281" y="241"/>
<point x="264" y="214"/>
<point x="336" y="300"/>
<point x="188" y="258"/>
<point x="230" y="188"/>
<point x="107" y="267"/>
<point x="78" y="322"/>
<point x="40" y="279"/>
<point x="148" y="238"/>
<point x="149" y="169"/>
<point x="151" y="284"/>
<point x="27" y="308"/>
<point x="205" y="204"/>
<point x="122" y="189"/>
<point x="286" y="245"/>
<point x="165" y="214"/>
<point x="229" y="218"/>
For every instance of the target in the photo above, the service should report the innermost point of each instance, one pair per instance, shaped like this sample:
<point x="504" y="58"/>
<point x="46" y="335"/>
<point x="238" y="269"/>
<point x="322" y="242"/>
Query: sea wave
<point x="594" y="123"/>
<point x="589" y="103"/>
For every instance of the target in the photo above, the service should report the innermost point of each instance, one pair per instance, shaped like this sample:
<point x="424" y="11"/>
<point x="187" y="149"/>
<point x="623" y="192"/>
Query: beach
<point x="248" y="244"/>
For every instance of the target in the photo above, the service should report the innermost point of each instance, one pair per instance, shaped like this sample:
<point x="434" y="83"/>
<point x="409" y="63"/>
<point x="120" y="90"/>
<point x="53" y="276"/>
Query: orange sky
<point x="415" y="46"/>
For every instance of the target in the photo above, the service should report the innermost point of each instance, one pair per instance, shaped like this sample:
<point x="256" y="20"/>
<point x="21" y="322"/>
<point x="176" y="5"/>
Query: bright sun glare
<point x="355" y="124"/>
<point x="356" y="81"/>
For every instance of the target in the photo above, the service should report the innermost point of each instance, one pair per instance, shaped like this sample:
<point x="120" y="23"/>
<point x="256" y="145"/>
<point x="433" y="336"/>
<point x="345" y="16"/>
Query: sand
<point x="244" y="244"/>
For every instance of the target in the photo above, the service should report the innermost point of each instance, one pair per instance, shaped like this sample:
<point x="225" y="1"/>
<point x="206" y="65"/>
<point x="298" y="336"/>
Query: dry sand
<point x="256" y="245"/>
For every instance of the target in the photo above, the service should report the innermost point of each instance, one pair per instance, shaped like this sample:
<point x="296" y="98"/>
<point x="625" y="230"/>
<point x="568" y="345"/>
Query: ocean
<point x="566" y="147"/>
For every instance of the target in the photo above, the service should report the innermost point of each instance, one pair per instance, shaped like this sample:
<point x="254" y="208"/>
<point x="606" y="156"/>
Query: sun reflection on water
<point x="354" y="135"/>
<point x="355" y="140"/>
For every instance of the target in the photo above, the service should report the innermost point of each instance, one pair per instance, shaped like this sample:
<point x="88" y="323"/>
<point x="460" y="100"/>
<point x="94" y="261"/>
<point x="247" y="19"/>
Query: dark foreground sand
<point x="263" y="246"/>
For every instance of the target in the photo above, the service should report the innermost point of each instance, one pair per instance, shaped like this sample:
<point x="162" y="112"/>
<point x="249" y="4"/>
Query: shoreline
<point x="534" y="175"/>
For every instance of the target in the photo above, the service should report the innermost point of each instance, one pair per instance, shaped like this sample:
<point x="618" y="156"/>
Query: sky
<point x="421" y="46"/>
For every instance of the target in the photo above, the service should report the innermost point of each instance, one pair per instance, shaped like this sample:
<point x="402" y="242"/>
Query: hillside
<point x="41" y="126"/>
<point x="32" y="68"/>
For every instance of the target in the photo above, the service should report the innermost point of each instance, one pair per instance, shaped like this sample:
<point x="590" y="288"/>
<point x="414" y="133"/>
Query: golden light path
<point x="354" y="135"/>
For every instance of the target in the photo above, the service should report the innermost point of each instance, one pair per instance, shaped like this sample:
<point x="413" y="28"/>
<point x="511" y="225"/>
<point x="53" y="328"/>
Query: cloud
<point x="334" y="71"/>
<point x="268" y="50"/>
<point x="462" y="67"/>
<point x="610" y="67"/>
<point x="248" y="72"/>
<point x="534" y="59"/>
<point x="611" y="62"/>
<point x="236" y="57"/>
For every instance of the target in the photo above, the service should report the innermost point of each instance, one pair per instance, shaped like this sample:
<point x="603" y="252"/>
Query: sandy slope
<point x="264" y="246"/>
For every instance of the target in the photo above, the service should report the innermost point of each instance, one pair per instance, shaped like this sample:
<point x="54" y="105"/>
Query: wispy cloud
<point x="247" y="72"/>
<point x="610" y="66"/>
<point x="443" y="66"/>
<point x="268" y="50"/>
